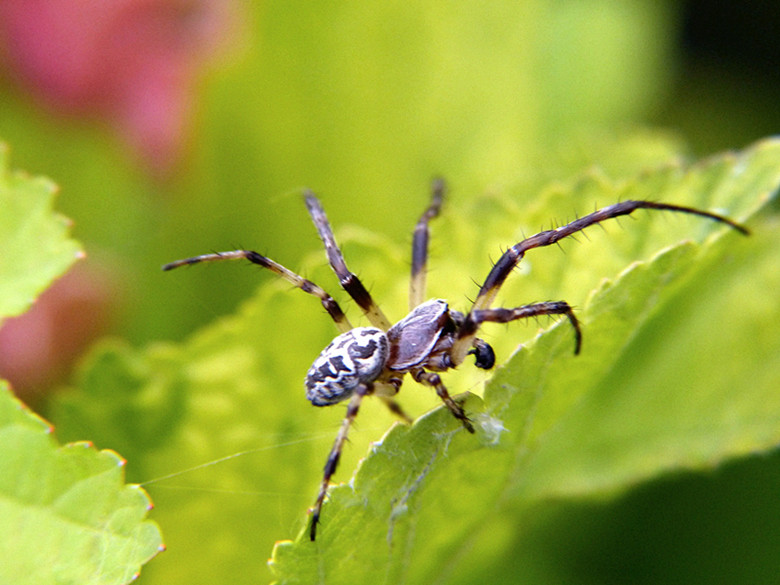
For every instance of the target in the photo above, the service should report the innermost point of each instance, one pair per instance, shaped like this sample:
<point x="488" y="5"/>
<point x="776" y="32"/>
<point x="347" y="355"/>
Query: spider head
<point x="484" y="357"/>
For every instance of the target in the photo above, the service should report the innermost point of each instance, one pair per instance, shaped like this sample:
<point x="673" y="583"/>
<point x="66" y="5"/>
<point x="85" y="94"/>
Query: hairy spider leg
<point x="433" y="380"/>
<point x="335" y="454"/>
<point x="352" y="285"/>
<point x="420" y="245"/>
<point x="349" y="281"/>
<point x="331" y="306"/>
<point x="396" y="409"/>
<point x="501" y="269"/>
<point x="501" y="315"/>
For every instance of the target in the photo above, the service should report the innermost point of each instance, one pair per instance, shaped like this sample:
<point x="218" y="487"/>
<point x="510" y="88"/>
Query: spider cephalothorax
<point x="432" y="338"/>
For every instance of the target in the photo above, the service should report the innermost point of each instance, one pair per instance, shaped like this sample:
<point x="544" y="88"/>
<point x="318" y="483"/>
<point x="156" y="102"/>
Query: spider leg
<point x="420" y="245"/>
<point x="396" y="409"/>
<point x="513" y="255"/>
<point x="349" y="281"/>
<point x="433" y="380"/>
<point x="335" y="454"/>
<point x="331" y="306"/>
<point x="533" y="310"/>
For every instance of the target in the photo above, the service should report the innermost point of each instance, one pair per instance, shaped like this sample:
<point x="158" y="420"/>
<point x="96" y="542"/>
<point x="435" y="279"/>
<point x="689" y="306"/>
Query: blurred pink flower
<point x="132" y="62"/>
<point x="38" y="348"/>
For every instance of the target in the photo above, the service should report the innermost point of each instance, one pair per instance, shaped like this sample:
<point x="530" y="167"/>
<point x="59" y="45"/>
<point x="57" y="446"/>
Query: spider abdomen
<point x="354" y="357"/>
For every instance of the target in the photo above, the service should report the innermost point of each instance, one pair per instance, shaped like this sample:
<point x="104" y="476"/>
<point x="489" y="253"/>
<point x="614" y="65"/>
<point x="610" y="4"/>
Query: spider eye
<point x="484" y="357"/>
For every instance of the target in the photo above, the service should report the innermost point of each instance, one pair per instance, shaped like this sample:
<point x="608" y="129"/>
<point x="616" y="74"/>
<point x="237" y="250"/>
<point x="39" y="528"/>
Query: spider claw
<point x="459" y="413"/>
<point x="313" y="530"/>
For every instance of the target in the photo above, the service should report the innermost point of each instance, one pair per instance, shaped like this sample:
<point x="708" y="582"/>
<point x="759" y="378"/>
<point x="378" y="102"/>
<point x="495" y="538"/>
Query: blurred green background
<point x="364" y="103"/>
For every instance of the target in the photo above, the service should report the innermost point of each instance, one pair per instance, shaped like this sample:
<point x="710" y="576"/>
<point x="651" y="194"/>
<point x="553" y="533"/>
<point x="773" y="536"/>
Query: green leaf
<point x="146" y="402"/>
<point x="34" y="240"/>
<point x="661" y="385"/>
<point x="232" y="453"/>
<point x="65" y="515"/>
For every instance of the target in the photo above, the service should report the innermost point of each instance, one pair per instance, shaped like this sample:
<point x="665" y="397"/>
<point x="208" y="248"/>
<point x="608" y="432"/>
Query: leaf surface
<point x="65" y="514"/>
<point x="660" y="386"/>
<point x="34" y="240"/>
<point x="232" y="453"/>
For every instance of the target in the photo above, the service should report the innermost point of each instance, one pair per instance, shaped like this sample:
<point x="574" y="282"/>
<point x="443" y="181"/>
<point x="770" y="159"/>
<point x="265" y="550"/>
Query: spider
<point x="432" y="338"/>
